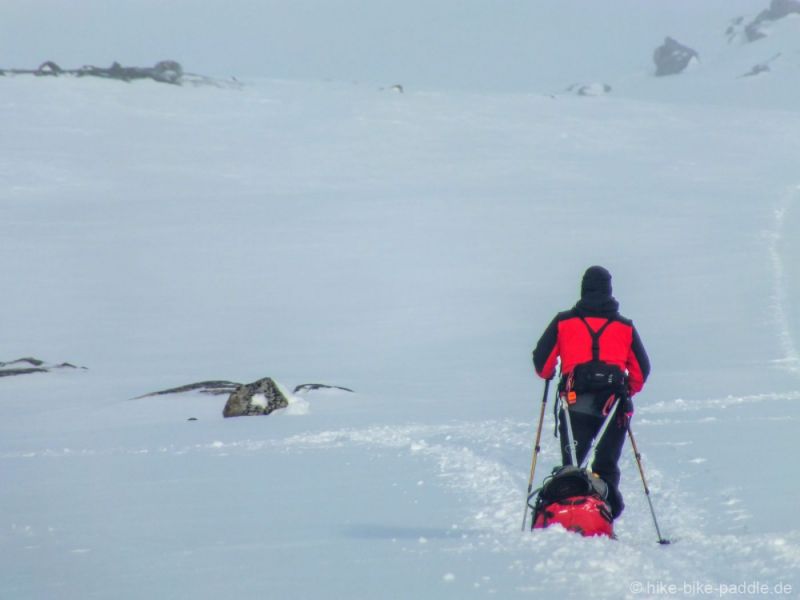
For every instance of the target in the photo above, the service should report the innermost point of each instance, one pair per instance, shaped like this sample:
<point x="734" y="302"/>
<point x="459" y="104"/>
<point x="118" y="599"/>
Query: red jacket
<point x="567" y="338"/>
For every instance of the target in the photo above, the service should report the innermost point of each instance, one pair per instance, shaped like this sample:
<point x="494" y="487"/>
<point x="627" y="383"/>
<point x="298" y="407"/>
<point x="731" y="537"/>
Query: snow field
<point x="411" y="247"/>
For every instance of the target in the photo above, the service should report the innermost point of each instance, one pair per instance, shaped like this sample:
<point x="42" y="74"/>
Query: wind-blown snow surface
<point x="411" y="247"/>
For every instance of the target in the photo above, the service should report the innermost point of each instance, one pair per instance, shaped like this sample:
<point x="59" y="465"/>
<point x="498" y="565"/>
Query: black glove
<point x="625" y="412"/>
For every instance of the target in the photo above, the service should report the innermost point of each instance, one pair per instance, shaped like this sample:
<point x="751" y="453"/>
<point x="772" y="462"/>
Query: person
<point x="592" y="331"/>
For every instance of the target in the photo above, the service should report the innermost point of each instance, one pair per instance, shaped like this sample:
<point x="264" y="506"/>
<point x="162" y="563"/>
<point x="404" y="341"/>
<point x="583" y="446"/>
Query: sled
<point x="573" y="496"/>
<point x="575" y="499"/>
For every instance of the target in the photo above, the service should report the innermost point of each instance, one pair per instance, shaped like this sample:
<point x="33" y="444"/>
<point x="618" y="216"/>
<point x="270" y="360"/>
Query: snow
<point x="411" y="247"/>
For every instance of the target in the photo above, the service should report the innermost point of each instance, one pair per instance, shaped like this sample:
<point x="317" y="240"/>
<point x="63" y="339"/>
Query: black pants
<point x="584" y="428"/>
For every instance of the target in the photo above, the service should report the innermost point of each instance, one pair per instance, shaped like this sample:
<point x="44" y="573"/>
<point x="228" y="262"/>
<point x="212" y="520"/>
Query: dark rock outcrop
<point x="672" y="57"/>
<point x="49" y="68"/>
<point x="166" y="71"/>
<point x="589" y="89"/>
<point x="307" y="387"/>
<point x="258" y="398"/>
<point x="28" y="365"/>
<point x="761" y="67"/>
<point x="34" y="362"/>
<point x="216" y="388"/>
<point x="13" y="372"/>
<point x="756" y="70"/>
<point x="778" y="9"/>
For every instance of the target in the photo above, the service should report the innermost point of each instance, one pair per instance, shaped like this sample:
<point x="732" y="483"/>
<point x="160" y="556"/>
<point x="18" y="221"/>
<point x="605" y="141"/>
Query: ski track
<point x="780" y="298"/>
<point x="479" y="461"/>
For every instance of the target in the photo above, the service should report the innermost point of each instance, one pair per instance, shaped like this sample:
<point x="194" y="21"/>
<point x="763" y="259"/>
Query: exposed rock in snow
<point x="258" y="398"/>
<point x="206" y="387"/>
<point x="165" y="71"/>
<point x="734" y="28"/>
<point x="34" y="362"/>
<point x="24" y="371"/>
<point x="28" y="365"/>
<point x="672" y="57"/>
<point x="759" y="68"/>
<point x="589" y="89"/>
<point x="396" y="88"/>
<point x="49" y="68"/>
<point x="308" y="387"/>
<point x="778" y="9"/>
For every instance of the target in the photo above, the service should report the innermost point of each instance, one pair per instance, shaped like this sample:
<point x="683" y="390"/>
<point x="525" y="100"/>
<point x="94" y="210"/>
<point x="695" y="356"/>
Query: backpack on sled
<point x="575" y="499"/>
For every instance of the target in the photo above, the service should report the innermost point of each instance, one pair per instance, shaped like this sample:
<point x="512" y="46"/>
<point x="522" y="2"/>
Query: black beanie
<point x="596" y="280"/>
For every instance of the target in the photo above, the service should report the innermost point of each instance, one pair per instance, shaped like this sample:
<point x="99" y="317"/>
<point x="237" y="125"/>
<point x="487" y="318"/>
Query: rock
<point x="168" y="71"/>
<point x="258" y="398"/>
<point x="67" y="365"/>
<point x="165" y="71"/>
<point x="736" y="30"/>
<point x="34" y="365"/>
<point x="673" y="57"/>
<point x="778" y="9"/>
<point x="49" y="68"/>
<point x="206" y="387"/>
<point x="761" y="67"/>
<point x="756" y="70"/>
<point x="35" y="362"/>
<point x="12" y="372"/>
<point x="783" y="8"/>
<point x="733" y="27"/>
<point x="589" y="89"/>
<point x="307" y="387"/>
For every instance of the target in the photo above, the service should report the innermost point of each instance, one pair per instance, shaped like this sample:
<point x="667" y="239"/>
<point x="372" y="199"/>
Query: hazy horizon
<point x="512" y="45"/>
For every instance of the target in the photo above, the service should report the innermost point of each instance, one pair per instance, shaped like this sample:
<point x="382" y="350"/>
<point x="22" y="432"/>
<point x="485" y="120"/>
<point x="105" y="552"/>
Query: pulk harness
<point x="585" y="388"/>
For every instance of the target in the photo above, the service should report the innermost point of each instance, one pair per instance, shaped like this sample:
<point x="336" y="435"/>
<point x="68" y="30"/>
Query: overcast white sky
<point x="490" y="44"/>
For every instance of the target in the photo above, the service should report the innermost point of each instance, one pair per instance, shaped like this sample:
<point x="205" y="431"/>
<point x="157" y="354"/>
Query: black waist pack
<point x="598" y="376"/>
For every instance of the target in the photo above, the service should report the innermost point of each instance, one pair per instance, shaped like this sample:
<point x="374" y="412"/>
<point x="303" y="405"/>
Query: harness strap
<point x="595" y="356"/>
<point x="596" y="335"/>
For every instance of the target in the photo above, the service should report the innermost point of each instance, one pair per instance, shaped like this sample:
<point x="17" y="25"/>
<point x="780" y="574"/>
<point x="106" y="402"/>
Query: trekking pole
<point x="536" y="449"/>
<point x="638" y="456"/>
<point x="596" y="441"/>
<point x="570" y="439"/>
